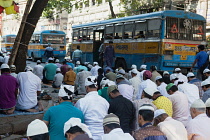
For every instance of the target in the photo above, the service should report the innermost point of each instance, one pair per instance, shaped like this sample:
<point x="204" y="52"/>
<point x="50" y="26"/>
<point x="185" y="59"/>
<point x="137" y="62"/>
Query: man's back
<point x="202" y="57"/>
<point x="126" y="89"/>
<point x="197" y="82"/>
<point x="80" y="81"/>
<point x="50" y="71"/>
<point x="58" y="115"/>
<point x="125" y="110"/>
<point x="174" y="130"/>
<point x="117" y="134"/>
<point x="77" y="53"/>
<point x="58" y="79"/>
<point x="38" y="71"/>
<point x="8" y="85"/>
<point x="162" y="89"/>
<point x="70" y="77"/>
<point x="135" y="81"/>
<point x="154" y="75"/>
<point x="29" y="85"/>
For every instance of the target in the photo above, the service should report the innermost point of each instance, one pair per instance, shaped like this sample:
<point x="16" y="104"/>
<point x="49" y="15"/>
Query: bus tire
<point x="120" y="62"/>
<point x="33" y="58"/>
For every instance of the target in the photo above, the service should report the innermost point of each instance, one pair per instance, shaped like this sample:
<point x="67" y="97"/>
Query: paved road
<point x="32" y="64"/>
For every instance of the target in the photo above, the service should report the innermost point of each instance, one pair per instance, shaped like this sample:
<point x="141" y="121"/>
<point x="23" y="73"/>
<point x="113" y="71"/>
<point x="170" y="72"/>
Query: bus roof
<point x="49" y="32"/>
<point x="13" y="35"/>
<point x="161" y="14"/>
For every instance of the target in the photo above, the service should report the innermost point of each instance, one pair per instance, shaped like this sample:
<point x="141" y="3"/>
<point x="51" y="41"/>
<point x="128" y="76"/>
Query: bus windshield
<point x="53" y="39"/>
<point x="10" y="39"/>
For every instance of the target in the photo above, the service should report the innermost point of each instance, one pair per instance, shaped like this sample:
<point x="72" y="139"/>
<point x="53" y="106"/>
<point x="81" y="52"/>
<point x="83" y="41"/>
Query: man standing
<point x="8" y="90"/>
<point x="201" y="60"/>
<point x="58" y="79"/>
<point x="38" y="70"/>
<point x="77" y="55"/>
<point x="56" y="116"/>
<point x="161" y="86"/>
<point x="48" y="52"/>
<point x="30" y="88"/>
<point x="49" y="71"/>
<point x="147" y="131"/>
<point x="70" y="76"/>
<point x="180" y="104"/>
<point x="109" y="54"/>
<point x="94" y="69"/>
<point x="123" y="108"/>
<point x="113" y="130"/>
<point x="206" y="88"/>
<point x="173" y="129"/>
<point x="135" y="81"/>
<point x="94" y="108"/>
<point x="198" y="128"/>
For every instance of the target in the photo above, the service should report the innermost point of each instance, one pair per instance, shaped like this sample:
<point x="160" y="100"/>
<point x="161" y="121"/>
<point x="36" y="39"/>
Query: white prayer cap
<point x="177" y="69"/>
<point x="86" y="63"/>
<point x="28" y="68"/>
<point x="38" y="61"/>
<point x="190" y="74"/>
<point x="120" y="76"/>
<point x="63" y="93"/>
<point x="36" y="127"/>
<point x="51" y="59"/>
<point x="206" y="70"/>
<point x="111" y="118"/>
<point x="173" y="76"/>
<point x="116" y="71"/>
<point x="4" y="66"/>
<point x="69" y="66"/>
<point x="159" y="112"/>
<point x="158" y="77"/>
<point x="143" y="67"/>
<point x="165" y="72"/>
<point x="57" y="61"/>
<point x="90" y="66"/>
<point x="146" y="107"/>
<point x="133" y="67"/>
<point x="121" y="71"/>
<point x="12" y="66"/>
<point x="111" y="83"/>
<point x="91" y="80"/>
<point x="95" y="63"/>
<point x="177" y="81"/>
<point x="135" y="71"/>
<point x="8" y="53"/>
<point x="150" y="90"/>
<point x="206" y="82"/>
<point x="76" y="122"/>
<point x="58" y="69"/>
<point x="207" y="102"/>
<point x="198" y="104"/>
<point x="78" y="62"/>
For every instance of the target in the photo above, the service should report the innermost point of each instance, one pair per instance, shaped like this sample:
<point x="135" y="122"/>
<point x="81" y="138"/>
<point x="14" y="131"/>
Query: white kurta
<point x="162" y="89"/>
<point x="135" y="81"/>
<point x="6" y="59"/>
<point x="94" y="108"/>
<point x="181" y="76"/>
<point x="38" y="71"/>
<point x="94" y="70"/>
<point x="29" y="85"/>
<point x="174" y="130"/>
<point x="143" y="85"/>
<point x="117" y="134"/>
<point x="80" y="81"/>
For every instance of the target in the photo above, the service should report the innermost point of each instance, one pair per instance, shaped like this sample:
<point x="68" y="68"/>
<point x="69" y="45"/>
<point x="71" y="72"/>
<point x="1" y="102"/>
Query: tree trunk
<point x="111" y="9"/>
<point x="32" y="19"/>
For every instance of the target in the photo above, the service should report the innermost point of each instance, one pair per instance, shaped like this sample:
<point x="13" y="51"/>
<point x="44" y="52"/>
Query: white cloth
<point x="135" y="81"/>
<point x="58" y="79"/>
<point x="174" y="130"/>
<point x="180" y="107"/>
<point x="143" y="85"/>
<point x="94" y="70"/>
<point x="141" y="74"/>
<point x="13" y="74"/>
<point x="191" y="91"/>
<point x="58" y="65"/>
<point x="126" y="91"/>
<point x="29" y="85"/>
<point x="80" y="81"/>
<point x="1" y="59"/>
<point x="117" y="134"/>
<point x="162" y="89"/>
<point x="6" y="59"/>
<point x="94" y="108"/>
<point x="181" y="76"/>
<point x="38" y="71"/>
<point x="200" y="126"/>
<point x="138" y="74"/>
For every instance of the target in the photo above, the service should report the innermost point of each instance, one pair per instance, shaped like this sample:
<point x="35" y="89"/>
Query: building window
<point x="86" y="3"/>
<point x="93" y="2"/>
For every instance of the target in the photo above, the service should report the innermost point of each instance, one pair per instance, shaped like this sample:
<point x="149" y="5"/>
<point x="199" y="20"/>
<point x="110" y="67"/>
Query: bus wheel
<point x="121" y="63"/>
<point x="33" y="58"/>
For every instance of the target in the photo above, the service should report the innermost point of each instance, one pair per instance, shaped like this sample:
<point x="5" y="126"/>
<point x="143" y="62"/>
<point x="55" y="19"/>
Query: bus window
<point x="53" y="39"/>
<point x="109" y="32"/>
<point x="154" y="28"/>
<point x="37" y="38"/>
<point x="10" y="39"/>
<point x="172" y="28"/>
<point x="198" y="30"/>
<point x="128" y="30"/>
<point x="185" y="27"/>
<point x="75" y="35"/>
<point x="32" y="39"/>
<point x="80" y="35"/>
<point x="118" y="31"/>
<point x="84" y="34"/>
<point x="140" y="30"/>
<point x="3" y="40"/>
<point x="90" y="34"/>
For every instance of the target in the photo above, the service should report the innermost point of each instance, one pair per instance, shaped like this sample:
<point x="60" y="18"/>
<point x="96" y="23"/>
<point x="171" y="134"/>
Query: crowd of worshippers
<point x="139" y="104"/>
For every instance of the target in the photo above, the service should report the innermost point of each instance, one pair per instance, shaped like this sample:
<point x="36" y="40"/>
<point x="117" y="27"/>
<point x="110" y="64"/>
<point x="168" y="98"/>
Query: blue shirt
<point x="58" y="115"/>
<point x="202" y="57"/>
<point x="70" y="64"/>
<point x="50" y="71"/>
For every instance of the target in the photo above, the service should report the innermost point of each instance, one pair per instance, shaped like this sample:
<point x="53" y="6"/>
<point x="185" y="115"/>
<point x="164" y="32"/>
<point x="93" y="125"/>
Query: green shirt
<point x="103" y="93"/>
<point x="50" y="71"/>
<point x="58" y="115"/>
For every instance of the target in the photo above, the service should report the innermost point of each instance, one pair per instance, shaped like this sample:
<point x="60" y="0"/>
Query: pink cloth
<point x="180" y="107"/>
<point x="147" y="74"/>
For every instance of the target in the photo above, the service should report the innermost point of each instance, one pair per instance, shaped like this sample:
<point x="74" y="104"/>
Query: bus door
<point x="97" y="41"/>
